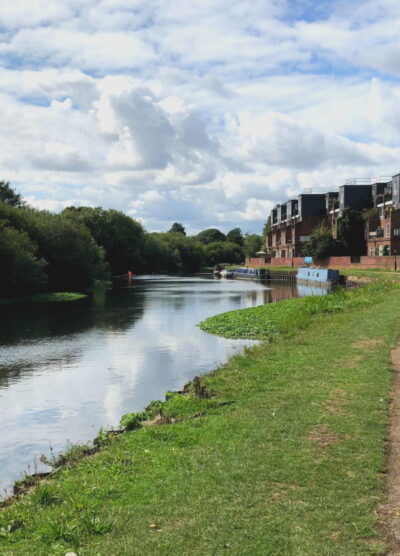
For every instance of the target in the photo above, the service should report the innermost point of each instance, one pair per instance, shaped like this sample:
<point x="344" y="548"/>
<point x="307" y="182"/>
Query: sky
<point x="205" y="112"/>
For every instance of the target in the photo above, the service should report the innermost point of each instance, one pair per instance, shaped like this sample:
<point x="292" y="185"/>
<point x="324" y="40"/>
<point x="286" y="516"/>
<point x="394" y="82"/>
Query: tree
<point x="322" y="244"/>
<point x="222" y="252"/>
<point x="235" y="236"/>
<point x="351" y="232"/>
<point x="8" y="196"/>
<point x="210" y="235"/>
<point x="156" y="254"/>
<point x="121" y="237"/>
<point x="267" y="227"/>
<point x="184" y="253"/>
<point x="252" y="244"/>
<point x="21" y="272"/>
<point x="74" y="258"/>
<point x="177" y="228"/>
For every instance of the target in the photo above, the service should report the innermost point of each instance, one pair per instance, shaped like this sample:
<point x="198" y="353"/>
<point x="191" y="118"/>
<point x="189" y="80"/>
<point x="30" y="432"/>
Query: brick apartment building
<point x="382" y="225"/>
<point x="293" y="221"/>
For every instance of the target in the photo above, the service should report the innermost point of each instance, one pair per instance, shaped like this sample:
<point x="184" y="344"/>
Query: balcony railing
<point x="367" y="181"/>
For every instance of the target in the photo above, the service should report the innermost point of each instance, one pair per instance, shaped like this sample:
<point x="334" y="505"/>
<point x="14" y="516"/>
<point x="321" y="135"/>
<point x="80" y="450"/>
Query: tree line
<point x="41" y="251"/>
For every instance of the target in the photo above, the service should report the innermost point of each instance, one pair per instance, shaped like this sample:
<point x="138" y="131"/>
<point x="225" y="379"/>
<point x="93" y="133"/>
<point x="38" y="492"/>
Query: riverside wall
<point x="387" y="262"/>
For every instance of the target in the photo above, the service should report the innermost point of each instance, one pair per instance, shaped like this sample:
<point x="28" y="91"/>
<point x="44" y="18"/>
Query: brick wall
<point x="377" y="262"/>
<point x="288" y="261"/>
<point x="331" y="262"/>
<point x="256" y="261"/>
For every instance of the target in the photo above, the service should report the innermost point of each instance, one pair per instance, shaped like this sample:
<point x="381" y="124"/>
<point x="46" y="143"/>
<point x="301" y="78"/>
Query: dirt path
<point x="389" y="513"/>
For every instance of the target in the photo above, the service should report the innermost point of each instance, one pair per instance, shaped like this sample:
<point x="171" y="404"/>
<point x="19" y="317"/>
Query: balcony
<point x="379" y="232"/>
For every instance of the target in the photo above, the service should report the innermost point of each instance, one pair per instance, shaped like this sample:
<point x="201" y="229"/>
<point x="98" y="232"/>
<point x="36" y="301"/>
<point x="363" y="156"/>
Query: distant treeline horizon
<point x="41" y="251"/>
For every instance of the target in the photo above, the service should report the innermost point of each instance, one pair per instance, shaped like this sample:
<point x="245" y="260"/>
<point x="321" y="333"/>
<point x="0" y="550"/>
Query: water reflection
<point x="69" y="369"/>
<point x="304" y="291"/>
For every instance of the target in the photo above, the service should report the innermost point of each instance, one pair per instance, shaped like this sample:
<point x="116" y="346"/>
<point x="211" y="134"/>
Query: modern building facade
<point x="293" y="221"/>
<point x="382" y="224"/>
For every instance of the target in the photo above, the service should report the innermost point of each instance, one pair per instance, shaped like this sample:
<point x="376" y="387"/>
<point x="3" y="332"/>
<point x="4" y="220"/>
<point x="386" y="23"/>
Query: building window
<point x="304" y="238"/>
<point x="387" y="230"/>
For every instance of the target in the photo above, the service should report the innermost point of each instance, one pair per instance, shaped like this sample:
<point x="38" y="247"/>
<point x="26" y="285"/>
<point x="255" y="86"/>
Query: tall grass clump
<point x="285" y="317"/>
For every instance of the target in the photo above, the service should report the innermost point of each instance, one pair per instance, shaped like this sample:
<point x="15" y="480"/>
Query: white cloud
<point x="205" y="111"/>
<point x="87" y="51"/>
<point x="21" y="13"/>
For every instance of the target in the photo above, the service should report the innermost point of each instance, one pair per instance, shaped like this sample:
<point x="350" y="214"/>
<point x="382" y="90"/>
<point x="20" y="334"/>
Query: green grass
<point x="288" y="315"/>
<point x="293" y="467"/>
<point x="373" y="273"/>
<point x="56" y="297"/>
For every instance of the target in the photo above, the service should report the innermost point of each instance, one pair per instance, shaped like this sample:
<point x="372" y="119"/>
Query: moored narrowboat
<point x="250" y="273"/>
<point x="320" y="276"/>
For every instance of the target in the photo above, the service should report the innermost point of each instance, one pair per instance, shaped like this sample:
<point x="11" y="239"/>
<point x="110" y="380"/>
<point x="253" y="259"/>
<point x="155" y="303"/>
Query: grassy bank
<point x="292" y="464"/>
<point x="55" y="297"/>
<point x="372" y="273"/>
<point x="289" y="315"/>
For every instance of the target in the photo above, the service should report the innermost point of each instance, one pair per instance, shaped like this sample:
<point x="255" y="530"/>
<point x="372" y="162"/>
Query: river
<point x="68" y="369"/>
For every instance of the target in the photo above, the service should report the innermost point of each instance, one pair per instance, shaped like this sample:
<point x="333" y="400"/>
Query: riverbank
<point x="55" y="297"/>
<point x="293" y="464"/>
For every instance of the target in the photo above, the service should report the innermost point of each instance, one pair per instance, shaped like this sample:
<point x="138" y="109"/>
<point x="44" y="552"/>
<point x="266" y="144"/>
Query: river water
<point x="68" y="369"/>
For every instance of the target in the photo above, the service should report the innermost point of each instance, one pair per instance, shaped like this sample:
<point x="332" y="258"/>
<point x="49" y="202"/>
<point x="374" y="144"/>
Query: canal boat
<point x="250" y="273"/>
<point x="218" y="269"/>
<point x="221" y="272"/>
<point x="319" y="276"/>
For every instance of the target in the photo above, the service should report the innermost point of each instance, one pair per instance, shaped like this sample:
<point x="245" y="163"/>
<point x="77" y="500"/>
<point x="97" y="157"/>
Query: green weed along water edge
<point x="56" y="297"/>
<point x="288" y="315"/>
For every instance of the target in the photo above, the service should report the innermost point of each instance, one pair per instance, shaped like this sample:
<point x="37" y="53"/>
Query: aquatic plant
<point x="267" y="321"/>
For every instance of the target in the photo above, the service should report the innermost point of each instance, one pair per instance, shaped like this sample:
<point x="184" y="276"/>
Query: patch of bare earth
<point x="323" y="436"/>
<point x="349" y="363"/>
<point x="367" y="343"/>
<point x="337" y="402"/>
<point x="389" y="513"/>
<point x="360" y="279"/>
<point x="283" y="489"/>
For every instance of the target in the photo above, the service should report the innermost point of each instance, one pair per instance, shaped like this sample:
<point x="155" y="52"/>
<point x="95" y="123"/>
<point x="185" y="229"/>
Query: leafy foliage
<point x="222" y="251"/>
<point x="267" y="227"/>
<point x="351" y="232"/>
<point x="235" y="236"/>
<point x="8" y="196"/>
<point x="21" y="272"/>
<point x="120" y="236"/>
<point x="180" y="252"/>
<point x="177" y="227"/>
<point x="211" y="235"/>
<point x="41" y="251"/>
<point x="322" y="244"/>
<point x="252" y="244"/>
